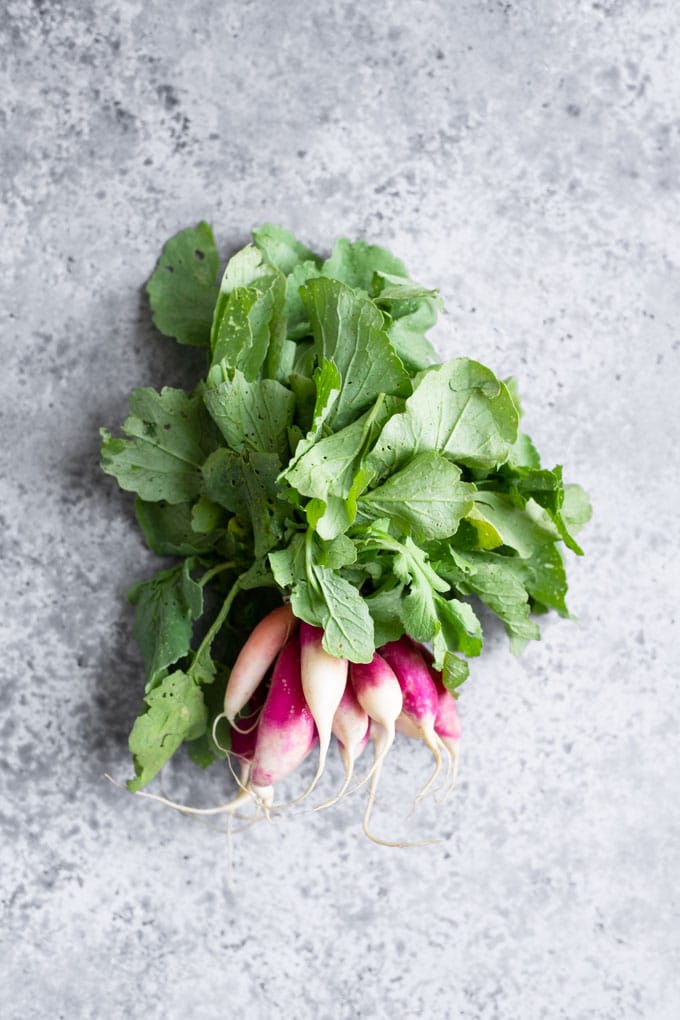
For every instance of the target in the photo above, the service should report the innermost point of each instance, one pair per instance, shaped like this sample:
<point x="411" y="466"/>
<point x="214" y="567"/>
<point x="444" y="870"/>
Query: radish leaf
<point x="175" y="712"/>
<point x="166" y="606"/>
<point x="183" y="288"/>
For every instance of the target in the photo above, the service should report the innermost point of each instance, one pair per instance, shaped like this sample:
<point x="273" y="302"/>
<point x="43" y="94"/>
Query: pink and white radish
<point x="324" y="679"/>
<point x="255" y="658"/>
<point x="282" y="738"/>
<point x="380" y="695"/>
<point x="421" y="702"/>
<point x="286" y="732"/>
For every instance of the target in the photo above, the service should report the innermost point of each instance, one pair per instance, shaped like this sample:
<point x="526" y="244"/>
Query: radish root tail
<point x="433" y="743"/>
<point x="348" y="761"/>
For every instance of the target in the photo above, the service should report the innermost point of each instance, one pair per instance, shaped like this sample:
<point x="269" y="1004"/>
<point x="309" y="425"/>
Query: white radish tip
<point x="263" y="794"/>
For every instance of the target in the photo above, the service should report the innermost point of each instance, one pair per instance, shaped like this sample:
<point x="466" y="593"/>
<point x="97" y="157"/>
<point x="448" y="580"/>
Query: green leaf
<point x="348" y="330"/>
<point x="170" y="435"/>
<point x="410" y="311"/>
<point x="203" y="669"/>
<point x="339" y="552"/>
<point x="203" y="750"/>
<point x="247" y="485"/>
<point x="281" y="249"/>
<point x="252" y="318"/>
<point x="356" y="263"/>
<point x="330" y="464"/>
<point x="175" y="712"/>
<point x="419" y="607"/>
<point x="169" y="531"/>
<point x="304" y="391"/>
<point x="297" y="320"/>
<point x="326" y="387"/>
<point x="251" y="415"/>
<point x="243" y="269"/>
<point x="524" y="453"/>
<point x="407" y="335"/>
<point x="454" y="670"/>
<point x="499" y="521"/>
<point x="498" y="582"/>
<point x="331" y="602"/>
<point x="206" y="516"/>
<point x="288" y="565"/>
<point x="459" y="409"/>
<point x="330" y="469"/>
<point x="544" y="486"/>
<point x="389" y="289"/>
<point x="385" y="608"/>
<point x="166" y="606"/>
<point x="426" y="497"/>
<point x="576" y="511"/>
<point x="183" y="287"/>
<point x="348" y="630"/>
<point x="460" y="628"/>
<point x="544" y="577"/>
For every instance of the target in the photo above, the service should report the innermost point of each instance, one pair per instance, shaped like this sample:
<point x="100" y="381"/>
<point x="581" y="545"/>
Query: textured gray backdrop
<point x="524" y="158"/>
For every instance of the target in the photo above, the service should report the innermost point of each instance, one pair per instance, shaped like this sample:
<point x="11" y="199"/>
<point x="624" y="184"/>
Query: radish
<point x="286" y="731"/>
<point x="324" y="679"/>
<point x="379" y="694"/>
<point x="255" y="658"/>
<point x="351" y="729"/>
<point x="421" y="703"/>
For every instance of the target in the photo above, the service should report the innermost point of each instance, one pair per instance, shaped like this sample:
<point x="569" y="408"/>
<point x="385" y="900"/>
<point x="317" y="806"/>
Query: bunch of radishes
<point x="329" y="461"/>
<point x="311" y="695"/>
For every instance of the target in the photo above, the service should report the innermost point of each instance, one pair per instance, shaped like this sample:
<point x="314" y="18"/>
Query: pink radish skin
<point x="351" y="729"/>
<point x="255" y="658"/>
<point x="378" y="690"/>
<point x="286" y="731"/>
<point x="447" y="723"/>
<point x="324" y="679"/>
<point x="421" y="702"/>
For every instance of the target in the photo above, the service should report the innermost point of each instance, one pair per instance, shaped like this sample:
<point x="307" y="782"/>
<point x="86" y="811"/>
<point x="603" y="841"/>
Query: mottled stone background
<point x="524" y="157"/>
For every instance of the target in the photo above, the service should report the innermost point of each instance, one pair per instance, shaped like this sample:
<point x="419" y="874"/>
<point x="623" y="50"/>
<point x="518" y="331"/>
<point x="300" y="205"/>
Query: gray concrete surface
<point x="524" y="158"/>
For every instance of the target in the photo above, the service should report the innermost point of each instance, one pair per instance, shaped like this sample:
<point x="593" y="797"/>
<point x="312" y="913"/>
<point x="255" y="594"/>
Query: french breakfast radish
<point x="380" y="695"/>
<point x="255" y="658"/>
<point x="286" y="732"/>
<point x="351" y="730"/>
<point x="420" y="696"/>
<point x="324" y="679"/>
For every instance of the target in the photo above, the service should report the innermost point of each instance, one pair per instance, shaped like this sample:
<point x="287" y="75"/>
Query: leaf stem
<point x="209" y="574"/>
<point x="218" y="621"/>
<point x="309" y="561"/>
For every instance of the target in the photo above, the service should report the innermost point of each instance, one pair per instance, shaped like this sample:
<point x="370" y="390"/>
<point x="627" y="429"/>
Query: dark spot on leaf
<point x="198" y="254"/>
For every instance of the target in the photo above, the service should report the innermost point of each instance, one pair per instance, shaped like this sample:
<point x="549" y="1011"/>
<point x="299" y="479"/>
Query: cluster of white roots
<point x="260" y="800"/>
